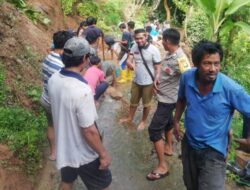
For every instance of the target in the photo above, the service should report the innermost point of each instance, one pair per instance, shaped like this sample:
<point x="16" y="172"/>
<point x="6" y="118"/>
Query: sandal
<point x="152" y="176"/>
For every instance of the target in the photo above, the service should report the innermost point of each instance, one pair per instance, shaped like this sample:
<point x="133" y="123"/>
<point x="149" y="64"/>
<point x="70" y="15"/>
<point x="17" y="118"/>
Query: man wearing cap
<point x="79" y="147"/>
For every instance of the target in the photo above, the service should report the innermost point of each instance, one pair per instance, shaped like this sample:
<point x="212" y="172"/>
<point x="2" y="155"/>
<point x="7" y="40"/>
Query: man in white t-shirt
<point x="144" y="79"/>
<point x="78" y="142"/>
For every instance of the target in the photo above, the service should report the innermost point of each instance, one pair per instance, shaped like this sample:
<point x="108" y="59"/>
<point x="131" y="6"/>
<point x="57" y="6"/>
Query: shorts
<point x="48" y="113"/>
<point x="162" y="120"/>
<point x="92" y="177"/>
<point x="141" y="91"/>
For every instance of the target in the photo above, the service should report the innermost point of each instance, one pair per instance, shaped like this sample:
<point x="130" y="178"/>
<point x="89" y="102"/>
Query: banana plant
<point x="219" y="13"/>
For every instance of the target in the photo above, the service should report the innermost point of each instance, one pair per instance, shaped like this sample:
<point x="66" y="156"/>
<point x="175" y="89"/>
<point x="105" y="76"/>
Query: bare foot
<point x="52" y="157"/>
<point x="168" y="150"/>
<point x="125" y="120"/>
<point x="141" y="126"/>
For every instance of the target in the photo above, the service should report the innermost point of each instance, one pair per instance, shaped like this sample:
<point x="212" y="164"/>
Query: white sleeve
<point x="133" y="49"/>
<point x="156" y="56"/>
<point x="86" y="110"/>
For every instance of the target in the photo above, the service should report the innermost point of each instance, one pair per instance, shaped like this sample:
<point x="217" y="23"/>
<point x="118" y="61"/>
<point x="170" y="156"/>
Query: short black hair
<point x="172" y="35"/>
<point x="91" y="20"/>
<point x="203" y="48"/>
<point x="140" y="30"/>
<point x="131" y="24"/>
<point x="94" y="60"/>
<point x="148" y="29"/>
<point x="72" y="61"/>
<point x="122" y="25"/>
<point x="83" y="23"/>
<point x="60" y="38"/>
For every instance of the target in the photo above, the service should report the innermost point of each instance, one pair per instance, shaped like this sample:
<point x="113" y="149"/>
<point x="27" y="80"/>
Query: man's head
<point x="94" y="60"/>
<point x="60" y="38"/>
<point x="171" y="39"/>
<point x="83" y="24"/>
<point x="131" y="25"/>
<point x="122" y="26"/>
<point x="141" y="37"/>
<point x="91" y="21"/>
<point x="207" y="57"/>
<point x="148" y="29"/>
<point x="76" y="52"/>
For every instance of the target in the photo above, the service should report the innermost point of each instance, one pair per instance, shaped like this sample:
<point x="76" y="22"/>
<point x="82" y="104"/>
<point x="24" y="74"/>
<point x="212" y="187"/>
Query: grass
<point x="21" y="129"/>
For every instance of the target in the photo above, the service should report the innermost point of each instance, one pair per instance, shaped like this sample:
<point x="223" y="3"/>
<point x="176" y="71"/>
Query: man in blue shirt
<point x="209" y="99"/>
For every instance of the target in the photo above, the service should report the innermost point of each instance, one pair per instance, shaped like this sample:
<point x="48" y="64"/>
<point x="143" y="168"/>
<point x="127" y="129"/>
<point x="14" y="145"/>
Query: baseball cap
<point x="76" y="47"/>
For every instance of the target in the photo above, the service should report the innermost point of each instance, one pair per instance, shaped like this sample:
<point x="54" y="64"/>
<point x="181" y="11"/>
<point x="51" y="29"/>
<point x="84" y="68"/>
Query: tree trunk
<point x="168" y="13"/>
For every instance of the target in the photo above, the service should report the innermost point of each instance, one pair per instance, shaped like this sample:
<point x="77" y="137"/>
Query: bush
<point x="112" y="12"/>
<point x="67" y="6"/>
<point x="237" y="61"/>
<point x="197" y="27"/>
<point x="88" y="8"/>
<point x="23" y="131"/>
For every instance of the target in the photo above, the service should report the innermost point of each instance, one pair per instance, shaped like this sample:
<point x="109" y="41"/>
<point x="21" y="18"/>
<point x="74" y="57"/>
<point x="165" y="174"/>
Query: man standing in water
<point x="78" y="142"/>
<point x="142" y="85"/>
<point x="209" y="99"/>
<point x="167" y="91"/>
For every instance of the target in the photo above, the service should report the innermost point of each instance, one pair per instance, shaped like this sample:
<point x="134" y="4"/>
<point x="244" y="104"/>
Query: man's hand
<point x="130" y="66"/>
<point x="156" y="83"/>
<point x="176" y="131"/>
<point x="105" y="161"/>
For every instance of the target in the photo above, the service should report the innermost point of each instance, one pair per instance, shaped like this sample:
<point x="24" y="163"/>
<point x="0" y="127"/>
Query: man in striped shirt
<point x="51" y="64"/>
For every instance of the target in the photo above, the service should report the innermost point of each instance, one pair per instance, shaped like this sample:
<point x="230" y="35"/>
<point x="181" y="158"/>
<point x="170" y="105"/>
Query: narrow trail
<point x="131" y="153"/>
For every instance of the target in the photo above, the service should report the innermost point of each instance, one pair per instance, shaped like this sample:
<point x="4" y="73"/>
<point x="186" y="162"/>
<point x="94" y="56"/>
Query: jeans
<point x="203" y="169"/>
<point x="100" y="89"/>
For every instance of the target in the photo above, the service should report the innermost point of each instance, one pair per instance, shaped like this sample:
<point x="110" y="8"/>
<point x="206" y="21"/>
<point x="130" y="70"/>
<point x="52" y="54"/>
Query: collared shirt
<point x="73" y="108"/>
<point x="152" y="57"/>
<point x="51" y="64"/>
<point x="169" y="77"/>
<point x="208" y="118"/>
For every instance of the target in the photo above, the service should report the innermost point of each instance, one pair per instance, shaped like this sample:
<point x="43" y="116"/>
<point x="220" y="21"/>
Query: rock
<point x="114" y="93"/>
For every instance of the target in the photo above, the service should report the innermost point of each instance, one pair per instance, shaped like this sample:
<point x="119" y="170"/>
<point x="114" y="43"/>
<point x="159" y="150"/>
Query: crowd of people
<point x="75" y="78"/>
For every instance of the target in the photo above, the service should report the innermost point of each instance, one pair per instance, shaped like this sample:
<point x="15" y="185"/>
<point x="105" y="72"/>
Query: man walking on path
<point x="142" y="85"/>
<point x="209" y="98"/>
<point x="167" y="90"/>
<point x="51" y="64"/>
<point x="78" y="142"/>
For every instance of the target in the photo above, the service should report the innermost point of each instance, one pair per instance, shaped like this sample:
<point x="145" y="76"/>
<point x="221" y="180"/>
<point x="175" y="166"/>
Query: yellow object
<point x="130" y="75"/>
<point x="123" y="76"/>
<point x="183" y="64"/>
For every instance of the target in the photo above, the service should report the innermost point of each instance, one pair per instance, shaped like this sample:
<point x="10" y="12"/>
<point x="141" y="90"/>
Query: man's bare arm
<point x="93" y="139"/>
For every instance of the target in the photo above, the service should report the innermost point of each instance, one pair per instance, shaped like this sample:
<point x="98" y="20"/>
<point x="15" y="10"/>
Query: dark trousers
<point x="100" y="89"/>
<point x="246" y="127"/>
<point x="203" y="169"/>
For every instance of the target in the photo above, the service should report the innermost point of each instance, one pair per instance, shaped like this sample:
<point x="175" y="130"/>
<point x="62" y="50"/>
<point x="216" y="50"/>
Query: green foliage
<point x="238" y="58"/>
<point x="141" y="17"/>
<point x="67" y="6"/>
<point x="23" y="131"/>
<point x="111" y="12"/>
<point x="34" y="15"/>
<point x="182" y="5"/>
<point x="2" y="85"/>
<point x="88" y="8"/>
<point x="219" y="13"/>
<point x="34" y="92"/>
<point x="197" y="26"/>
